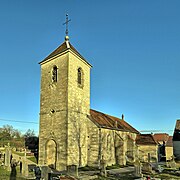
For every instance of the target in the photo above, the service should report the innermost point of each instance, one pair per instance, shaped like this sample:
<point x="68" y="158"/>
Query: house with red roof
<point x="165" y="147"/>
<point x="147" y="148"/>
<point x="169" y="148"/>
<point x="161" y="138"/>
<point x="176" y="140"/>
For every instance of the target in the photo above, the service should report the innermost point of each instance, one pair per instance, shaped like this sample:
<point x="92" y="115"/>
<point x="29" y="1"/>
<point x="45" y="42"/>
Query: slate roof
<point x="145" y="139"/>
<point x="161" y="137"/>
<point x="169" y="143"/>
<point x="177" y="127"/>
<point x="62" y="48"/>
<point x="176" y="135"/>
<point x="110" y="122"/>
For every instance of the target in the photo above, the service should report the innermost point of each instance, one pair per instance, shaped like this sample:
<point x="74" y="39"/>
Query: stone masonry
<point x="70" y="132"/>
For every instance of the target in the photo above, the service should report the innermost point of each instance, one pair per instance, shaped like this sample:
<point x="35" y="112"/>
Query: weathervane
<point x="67" y="21"/>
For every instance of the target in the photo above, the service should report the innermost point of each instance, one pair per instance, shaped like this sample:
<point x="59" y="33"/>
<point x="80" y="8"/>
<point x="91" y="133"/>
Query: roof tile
<point x="62" y="48"/>
<point x="145" y="139"/>
<point x="161" y="137"/>
<point x="107" y="121"/>
<point x="169" y="143"/>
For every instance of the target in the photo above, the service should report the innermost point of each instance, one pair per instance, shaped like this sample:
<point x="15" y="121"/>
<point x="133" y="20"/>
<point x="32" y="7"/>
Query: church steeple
<point x="64" y="106"/>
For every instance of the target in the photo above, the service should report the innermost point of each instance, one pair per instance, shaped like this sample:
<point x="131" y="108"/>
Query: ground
<point x="6" y="175"/>
<point x="86" y="173"/>
<point x="113" y="174"/>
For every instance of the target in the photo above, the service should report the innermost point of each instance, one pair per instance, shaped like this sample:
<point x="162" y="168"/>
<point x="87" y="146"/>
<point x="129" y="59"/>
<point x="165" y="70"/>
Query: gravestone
<point x="45" y="170"/>
<point x="25" y="171"/>
<point x="37" y="172"/>
<point x="73" y="169"/>
<point x="137" y="168"/>
<point x="8" y="156"/>
<point x="147" y="168"/>
<point x="149" y="157"/>
<point x="172" y="164"/>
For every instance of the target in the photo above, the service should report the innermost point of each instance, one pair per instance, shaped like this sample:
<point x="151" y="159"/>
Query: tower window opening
<point x="54" y="74"/>
<point x="80" y="77"/>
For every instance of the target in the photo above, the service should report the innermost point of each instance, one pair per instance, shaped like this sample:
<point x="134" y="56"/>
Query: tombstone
<point x="13" y="171"/>
<point x="8" y="157"/>
<point x="37" y="172"/>
<point x="137" y="168"/>
<point x="147" y="168"/>
<point x="172" y="164"/>
<point x="157" y="167"/>
<point x="45" y="170"/>
<point x="149" y="157"/>
<point x="25" y="171"/>
<point x="20" y="164"/>
<point x="76" y="171"/>
<point x="73" y="169"/>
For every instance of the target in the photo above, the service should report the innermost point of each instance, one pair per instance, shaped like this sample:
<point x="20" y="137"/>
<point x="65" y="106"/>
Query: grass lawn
<point x="33" y="159"/>
<point x="19" y="153"/>
<point x="5" y="175"/>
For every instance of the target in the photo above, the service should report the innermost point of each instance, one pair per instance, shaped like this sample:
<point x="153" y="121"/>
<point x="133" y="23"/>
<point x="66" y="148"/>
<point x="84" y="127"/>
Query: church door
<point x="51" y="153"/>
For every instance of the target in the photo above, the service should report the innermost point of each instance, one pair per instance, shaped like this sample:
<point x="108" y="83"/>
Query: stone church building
<point x="70" y="132"/>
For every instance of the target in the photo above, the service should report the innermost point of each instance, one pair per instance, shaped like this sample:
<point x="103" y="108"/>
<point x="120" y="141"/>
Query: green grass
<point x="115" y="166"/>
<point x="19" y="153"/>
<point x="32" y="158"/>
<point x="88" y="168"/>
<point x="166" y="176"/>
<point x="5" y="175"/>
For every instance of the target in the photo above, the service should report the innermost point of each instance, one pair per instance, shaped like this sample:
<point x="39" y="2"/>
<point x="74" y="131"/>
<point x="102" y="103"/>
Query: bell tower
<point x="64" y="106"/>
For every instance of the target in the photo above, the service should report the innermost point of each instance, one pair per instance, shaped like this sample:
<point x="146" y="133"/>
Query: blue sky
<point x="134" y="47"/>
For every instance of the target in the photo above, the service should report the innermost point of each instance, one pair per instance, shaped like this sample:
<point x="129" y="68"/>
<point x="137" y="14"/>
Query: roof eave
<point x="53" y="57"/>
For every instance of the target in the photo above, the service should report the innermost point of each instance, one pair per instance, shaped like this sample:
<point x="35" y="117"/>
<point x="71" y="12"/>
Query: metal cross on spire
<point x="67" y="21"/>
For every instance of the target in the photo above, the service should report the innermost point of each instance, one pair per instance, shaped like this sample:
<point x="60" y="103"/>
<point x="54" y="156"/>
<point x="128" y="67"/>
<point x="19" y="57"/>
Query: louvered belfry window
<point x="79" y="76"/>
<point x="54" y="74"/>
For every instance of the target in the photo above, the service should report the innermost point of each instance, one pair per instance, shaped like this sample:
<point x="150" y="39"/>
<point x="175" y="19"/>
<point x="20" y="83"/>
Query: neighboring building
<point x="161" y="139"/>
<point x="148" y="148"/>
<point x="169" y="148"/>
<point x="70" y="132"/>
<point x="176" y="140"/>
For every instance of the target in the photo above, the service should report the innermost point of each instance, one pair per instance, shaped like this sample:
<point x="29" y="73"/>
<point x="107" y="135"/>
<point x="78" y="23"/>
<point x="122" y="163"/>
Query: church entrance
<point x="51" y="153"/>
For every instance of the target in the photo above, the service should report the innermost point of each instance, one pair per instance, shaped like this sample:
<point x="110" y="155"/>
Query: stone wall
<point x="176" y="149"/>
<point x="53" y="111"/>
<point x="144" y="150"/>
<point x="64" y="107"/>
<point x="169" y="153"/>
<point x="78" y="110"/>
<point x="111" y="144"/>
<point x="94" y="145"/>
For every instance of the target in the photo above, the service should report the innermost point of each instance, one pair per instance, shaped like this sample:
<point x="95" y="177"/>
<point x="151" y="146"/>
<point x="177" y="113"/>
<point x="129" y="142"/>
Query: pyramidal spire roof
<point x="66" y="45"/>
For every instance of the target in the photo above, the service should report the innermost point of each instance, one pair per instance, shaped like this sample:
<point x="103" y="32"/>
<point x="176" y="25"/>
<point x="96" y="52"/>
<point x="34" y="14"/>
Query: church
<point x="71" y="133"/>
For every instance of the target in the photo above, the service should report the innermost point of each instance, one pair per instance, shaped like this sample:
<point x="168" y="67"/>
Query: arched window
<point x="80" y="76"/>
<point x="54" y="74"/>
